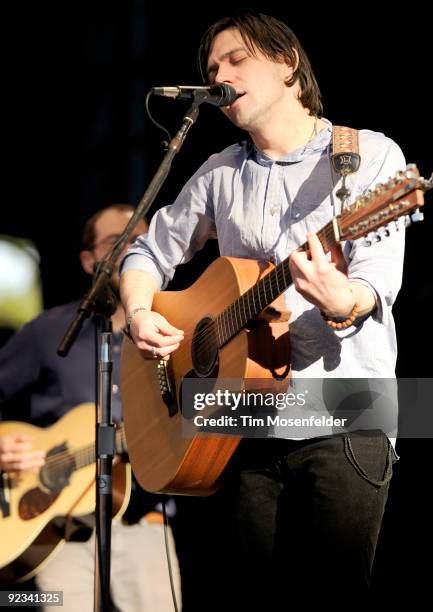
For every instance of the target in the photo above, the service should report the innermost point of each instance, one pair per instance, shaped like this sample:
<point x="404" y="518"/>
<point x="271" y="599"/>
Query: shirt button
<point x="116" y="348"/>
<point x="115" y="388"/>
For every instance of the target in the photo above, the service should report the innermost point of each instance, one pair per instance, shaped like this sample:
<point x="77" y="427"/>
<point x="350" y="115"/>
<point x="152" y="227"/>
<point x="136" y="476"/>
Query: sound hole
<point x="56" y="473"/>
<point x="204" y="347"/>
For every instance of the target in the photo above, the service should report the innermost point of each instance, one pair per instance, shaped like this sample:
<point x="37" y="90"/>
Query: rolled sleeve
<point x="176" y="232"/>
<point x="380" y="266"/>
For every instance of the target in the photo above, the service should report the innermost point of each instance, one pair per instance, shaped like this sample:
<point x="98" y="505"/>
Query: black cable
<point x="164" y="143"/>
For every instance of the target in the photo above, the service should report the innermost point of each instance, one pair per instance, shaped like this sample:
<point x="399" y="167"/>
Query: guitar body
<point x="30" y="502"/>
<point x="163" y="459"/>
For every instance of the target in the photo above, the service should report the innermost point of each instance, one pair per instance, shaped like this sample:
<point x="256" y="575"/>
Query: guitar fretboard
<point x="87" y="454"/>
<point x="251" y="303"/>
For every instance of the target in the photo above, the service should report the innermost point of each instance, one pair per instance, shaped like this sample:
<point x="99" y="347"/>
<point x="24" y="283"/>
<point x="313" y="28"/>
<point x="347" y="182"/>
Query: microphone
<point x="218" y="95"/>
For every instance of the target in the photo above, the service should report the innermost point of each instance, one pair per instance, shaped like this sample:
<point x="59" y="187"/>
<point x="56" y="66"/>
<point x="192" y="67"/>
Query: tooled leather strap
<point x="345" y="150"/>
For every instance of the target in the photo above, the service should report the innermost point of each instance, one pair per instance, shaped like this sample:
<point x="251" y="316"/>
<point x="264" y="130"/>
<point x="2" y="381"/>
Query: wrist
<point x="343" y="308"/>
<point x="130" y="317"/>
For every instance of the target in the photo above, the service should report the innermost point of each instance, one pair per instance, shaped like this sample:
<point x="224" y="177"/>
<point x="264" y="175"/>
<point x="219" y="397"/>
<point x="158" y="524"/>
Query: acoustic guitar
<point x="235" y="329"/>
<point x="31" y="504"/>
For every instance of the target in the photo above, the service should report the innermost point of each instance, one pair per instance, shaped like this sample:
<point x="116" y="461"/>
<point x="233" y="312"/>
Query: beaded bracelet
<point x="342" y="324"/>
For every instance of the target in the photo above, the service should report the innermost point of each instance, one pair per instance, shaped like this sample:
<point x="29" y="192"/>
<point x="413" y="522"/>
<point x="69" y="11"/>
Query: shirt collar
<point x="318" y="143"/>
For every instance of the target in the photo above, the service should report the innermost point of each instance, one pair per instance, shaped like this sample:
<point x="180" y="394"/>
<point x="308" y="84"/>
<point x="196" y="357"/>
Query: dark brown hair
<point x="88" y="235"/>
<point x="277" y="42"/>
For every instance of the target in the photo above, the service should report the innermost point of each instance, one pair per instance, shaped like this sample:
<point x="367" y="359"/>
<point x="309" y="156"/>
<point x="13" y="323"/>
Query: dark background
<point x="77" y="138"/>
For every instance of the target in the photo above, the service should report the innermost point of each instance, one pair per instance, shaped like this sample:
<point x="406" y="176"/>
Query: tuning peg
<point x="367" y="242"/>
<point x="407" y="220"/>
<point x="411" y="169"/>
<point x="383" y="232"/>
<point x="377" y="236"/>
<point x="417" y="215"/>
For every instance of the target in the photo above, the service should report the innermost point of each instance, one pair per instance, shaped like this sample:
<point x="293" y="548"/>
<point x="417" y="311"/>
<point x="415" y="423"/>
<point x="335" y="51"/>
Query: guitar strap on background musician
<point x="345" y="157"/>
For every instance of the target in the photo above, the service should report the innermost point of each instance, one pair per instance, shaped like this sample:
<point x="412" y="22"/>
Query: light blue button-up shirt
<point x="262" y="209"/>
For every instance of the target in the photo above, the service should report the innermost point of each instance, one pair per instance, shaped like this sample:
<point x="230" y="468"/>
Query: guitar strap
<point x="345" y="156"/>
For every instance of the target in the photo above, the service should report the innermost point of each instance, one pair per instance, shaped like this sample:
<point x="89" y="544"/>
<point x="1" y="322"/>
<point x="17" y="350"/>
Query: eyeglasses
<point x="111" y="240"/>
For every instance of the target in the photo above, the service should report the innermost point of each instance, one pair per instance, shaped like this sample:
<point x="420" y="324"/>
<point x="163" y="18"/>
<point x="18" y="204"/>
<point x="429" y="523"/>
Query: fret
<point x="253" y="309"/>
<point x="277" y="272"/>
<point x="258" y="295"/>
<point x="238" y="321"/>
<point x="247" y="297"/>
<point x="271" y="286"/>
<point x="247" y="306"/>
<point x="281" y="277"/>
<point x="242" y="300"/>
<point x="268" y="289"/>
<point x="224" y="334"/>
<point x="232" y="330"/>
<point x="264" y="293"/>
<point x="220" y="327"/>
<point x="285" y="268"/>
<point x="229" y="321"/>
<point x="226" y="324"/>
<point x="217" y="327"/>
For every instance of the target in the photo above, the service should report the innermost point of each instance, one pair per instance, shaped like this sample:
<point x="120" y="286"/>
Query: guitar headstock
<point x="399" y="197"/>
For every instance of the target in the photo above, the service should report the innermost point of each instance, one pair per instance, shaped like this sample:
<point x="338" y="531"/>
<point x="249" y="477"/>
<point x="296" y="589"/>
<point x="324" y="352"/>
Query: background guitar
<point x="64" y="487"/>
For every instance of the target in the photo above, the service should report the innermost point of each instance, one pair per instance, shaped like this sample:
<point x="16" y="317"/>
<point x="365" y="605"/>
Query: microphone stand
<point x="97" y="294"/>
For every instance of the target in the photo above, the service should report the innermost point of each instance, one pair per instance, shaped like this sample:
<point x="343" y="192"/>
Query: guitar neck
<point x="401" y="195"/>
<point x="251" y="303"/>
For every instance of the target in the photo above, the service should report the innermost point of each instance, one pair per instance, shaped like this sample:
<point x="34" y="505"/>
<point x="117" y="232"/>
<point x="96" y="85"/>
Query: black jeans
<point x="309" y="515"/>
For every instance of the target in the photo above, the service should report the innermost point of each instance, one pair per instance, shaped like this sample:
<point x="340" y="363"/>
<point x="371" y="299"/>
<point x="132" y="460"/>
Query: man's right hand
<point x="16" y="454"/>
<point x="154" y="335"/>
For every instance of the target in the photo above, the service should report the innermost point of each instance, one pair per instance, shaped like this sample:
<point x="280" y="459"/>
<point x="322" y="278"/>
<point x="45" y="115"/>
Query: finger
<point x="316" y="250"/>
<point x="167" y="328"/>
<point x="298" y="259"/>
<point x="166" y="341"/>
<point x="299" y="264"/>
<point x="338" y="258"/>
<point x="22" y="464"/>
<point x="11" y="456"/>
<point x="20" y="447"/>
<point x="10" y="444"/>
<point x="155" y="341"/>
<point x="20" y="437"/>
<point x="160" y="353"/>
<point x="164" y="352"/>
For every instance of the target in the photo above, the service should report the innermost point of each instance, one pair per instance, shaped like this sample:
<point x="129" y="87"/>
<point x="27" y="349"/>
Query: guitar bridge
<point x="165" y="387"/>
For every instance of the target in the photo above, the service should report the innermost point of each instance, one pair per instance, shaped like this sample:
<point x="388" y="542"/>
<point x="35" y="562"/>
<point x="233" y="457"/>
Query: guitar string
<point x="234" y="322"/>
<point x="230" y="319"/>
<point x="65" y="457"/>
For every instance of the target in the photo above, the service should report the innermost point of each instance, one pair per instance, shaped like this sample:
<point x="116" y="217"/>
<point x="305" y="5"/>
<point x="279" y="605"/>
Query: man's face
<point x="108" y="229"/>
<point x="259" y="80"/>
